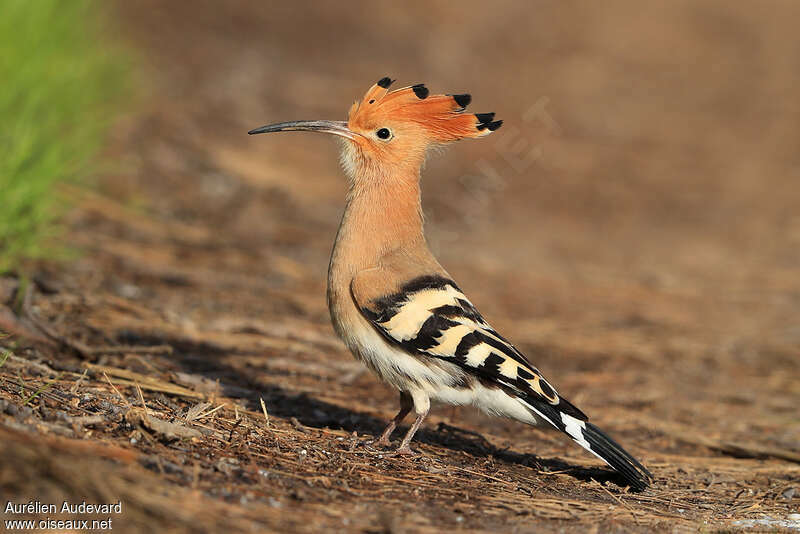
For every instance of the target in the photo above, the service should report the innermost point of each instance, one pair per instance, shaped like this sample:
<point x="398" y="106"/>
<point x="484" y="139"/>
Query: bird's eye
<point x="384" y="134"/>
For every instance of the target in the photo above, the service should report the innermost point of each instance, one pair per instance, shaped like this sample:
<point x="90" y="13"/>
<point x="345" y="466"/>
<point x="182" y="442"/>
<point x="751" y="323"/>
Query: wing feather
<point x="431" y="317"/>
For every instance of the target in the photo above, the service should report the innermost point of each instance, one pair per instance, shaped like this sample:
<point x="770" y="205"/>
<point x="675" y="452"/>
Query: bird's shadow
<point x="315" y="413"/>
<point x="311" y="412"/>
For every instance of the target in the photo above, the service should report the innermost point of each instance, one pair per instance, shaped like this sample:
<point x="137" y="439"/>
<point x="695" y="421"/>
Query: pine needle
<point x="264" y="409"/>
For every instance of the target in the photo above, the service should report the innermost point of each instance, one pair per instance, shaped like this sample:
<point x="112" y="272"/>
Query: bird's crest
<point x="442" y="117"/>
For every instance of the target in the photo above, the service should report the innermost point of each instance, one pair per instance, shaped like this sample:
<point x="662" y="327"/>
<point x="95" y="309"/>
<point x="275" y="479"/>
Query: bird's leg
<point x="404" y="448"/>
<point x="405" y="406"/>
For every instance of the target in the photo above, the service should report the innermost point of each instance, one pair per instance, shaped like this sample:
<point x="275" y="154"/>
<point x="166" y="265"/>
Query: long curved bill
<point x="332" y="127"/>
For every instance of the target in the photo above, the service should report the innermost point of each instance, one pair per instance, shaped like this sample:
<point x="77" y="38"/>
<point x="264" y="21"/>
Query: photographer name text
<point x="66" y="507"/>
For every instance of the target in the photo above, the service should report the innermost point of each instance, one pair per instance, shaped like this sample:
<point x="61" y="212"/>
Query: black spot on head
<point x="421" y="91"/>
<point x="372" y="101"/>
<point x="492" y="126"/>
<point x="483" y="118"/>
<point x="495" y="125"/>
<point x="463" y="100"/>
<point x="385" y="82"/>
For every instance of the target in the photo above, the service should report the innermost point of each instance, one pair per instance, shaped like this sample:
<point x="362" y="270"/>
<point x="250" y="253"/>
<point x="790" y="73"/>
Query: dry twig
<point x="128" y="404"/>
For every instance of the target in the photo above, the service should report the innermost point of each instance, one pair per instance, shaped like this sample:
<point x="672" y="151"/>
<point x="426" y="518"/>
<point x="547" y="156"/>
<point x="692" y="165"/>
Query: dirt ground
<point x="633" y="228"/>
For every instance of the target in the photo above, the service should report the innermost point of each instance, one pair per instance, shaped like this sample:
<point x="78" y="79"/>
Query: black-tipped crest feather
<point x="421" y="91"/>
<point x="463" y="100"/>
<point x="491" y="126"/>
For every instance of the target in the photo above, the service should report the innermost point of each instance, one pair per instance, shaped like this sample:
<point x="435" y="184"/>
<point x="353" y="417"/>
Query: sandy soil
<point x="633" y="228"/>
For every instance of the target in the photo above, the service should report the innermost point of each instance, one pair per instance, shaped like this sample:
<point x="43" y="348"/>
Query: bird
<point x="392" y="303"/>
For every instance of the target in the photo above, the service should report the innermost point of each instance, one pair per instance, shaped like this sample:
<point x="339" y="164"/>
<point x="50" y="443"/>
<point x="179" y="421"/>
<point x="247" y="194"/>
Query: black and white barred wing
<point x="431" y="317"/>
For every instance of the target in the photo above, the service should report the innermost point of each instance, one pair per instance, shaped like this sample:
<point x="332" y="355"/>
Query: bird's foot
<point x="405" y="451"/>
<point x="383" y="442"/>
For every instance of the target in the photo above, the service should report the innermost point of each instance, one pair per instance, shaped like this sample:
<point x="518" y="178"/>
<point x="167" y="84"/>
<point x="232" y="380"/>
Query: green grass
<point x="42" y="389"/>
<point x="62" y="81"/>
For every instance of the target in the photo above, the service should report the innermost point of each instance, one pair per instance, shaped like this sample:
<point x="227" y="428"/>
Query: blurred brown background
<point x="633" y="228"/>
<point x="647" y="173"/>
<point x="671" y="158"/>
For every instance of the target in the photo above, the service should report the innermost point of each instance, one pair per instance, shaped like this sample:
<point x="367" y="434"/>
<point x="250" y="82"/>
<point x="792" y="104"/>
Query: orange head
<point x="389" y="131"/>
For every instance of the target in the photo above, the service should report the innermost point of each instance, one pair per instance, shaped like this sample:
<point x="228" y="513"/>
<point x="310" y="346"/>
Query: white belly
<point x="493" y="401"/>
<point x="392" y="364"/>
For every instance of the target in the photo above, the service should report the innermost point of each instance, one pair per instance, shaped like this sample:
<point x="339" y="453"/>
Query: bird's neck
<point x="383" y="214"/>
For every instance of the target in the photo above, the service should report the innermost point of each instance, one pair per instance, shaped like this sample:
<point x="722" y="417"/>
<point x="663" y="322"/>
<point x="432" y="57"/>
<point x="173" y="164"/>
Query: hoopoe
<point x="394" y="305"/>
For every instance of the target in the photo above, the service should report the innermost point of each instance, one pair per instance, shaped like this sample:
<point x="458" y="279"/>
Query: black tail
<point x="565" y="417"/>
<point x="610" y="451"/>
